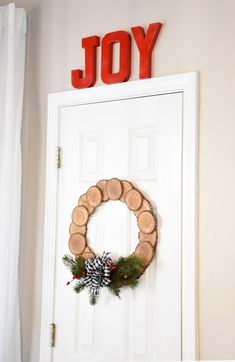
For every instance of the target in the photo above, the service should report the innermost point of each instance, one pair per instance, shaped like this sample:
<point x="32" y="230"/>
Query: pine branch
<point x="79" y="287"/>
<point x="77" y="266"/>
<point x="127" y="271"/>
<point x="69" y="262"/>
<point x="114" y="290"/>
<point x="134" y="284"/>
<point x="131" y="285"/>
<point x="125" y="275"/>
<point x="93" y="299"/>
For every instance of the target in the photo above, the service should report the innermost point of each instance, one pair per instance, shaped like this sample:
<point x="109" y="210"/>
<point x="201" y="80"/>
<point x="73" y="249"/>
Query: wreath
<point x="92" y="271"/>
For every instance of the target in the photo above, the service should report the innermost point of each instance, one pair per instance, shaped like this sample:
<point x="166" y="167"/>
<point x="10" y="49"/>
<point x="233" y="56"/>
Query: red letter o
<point x="124" y="72"/>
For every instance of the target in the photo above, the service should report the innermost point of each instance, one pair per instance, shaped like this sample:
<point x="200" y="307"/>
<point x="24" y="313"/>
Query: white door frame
<point x="187" y="84"/>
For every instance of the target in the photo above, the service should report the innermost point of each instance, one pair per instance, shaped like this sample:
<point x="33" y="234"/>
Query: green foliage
<point x="79" y="287"/>
<point x="77" y="266"/>
<point x="93" y="299"/>
<point x="114" y="289"/>
<point x="68" y="261"/>
<point x="125" y="275"/>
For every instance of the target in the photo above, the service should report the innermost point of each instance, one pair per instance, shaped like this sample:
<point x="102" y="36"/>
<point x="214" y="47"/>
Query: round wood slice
<point x="144" y="207"/>
<point x="126" y="186"/>
<point x="145" y="251"/>
<point x="102" y="184"/>
<point x="94" y="196"/>
<point x="83" y="202"/>
<point x="146" y="222"/>
<point x="77" y="243"/>
<point x="133" y="199"/>
<point x="142" y="269"/>
<point x="88" y="253"/>
<point x="73" y="228"/>
<point x="151" y="238"/>
<point x="80" y="215"/>
<point x="114" y="189"/>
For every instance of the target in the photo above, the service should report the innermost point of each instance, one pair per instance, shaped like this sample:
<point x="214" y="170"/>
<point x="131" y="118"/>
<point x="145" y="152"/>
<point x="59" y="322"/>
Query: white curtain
<point x="12" y="62"/>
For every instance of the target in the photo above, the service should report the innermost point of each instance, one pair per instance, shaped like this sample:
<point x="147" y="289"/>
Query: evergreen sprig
<point x="125" y="274"/>
<point x="76" y="266"/>
<point x="79" y="287"/>
<point x="93" y="299"/>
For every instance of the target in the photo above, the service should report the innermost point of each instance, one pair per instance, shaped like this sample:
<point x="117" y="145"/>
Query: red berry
<point x="112" y="266"/>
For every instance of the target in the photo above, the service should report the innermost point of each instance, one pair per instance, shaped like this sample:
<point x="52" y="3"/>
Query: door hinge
<point x="58" y="157"/>
<point x="52" y="337"/>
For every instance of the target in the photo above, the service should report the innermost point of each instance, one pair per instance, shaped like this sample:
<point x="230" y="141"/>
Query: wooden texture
<point x="83" y="202"/>
<point x="114" y="189"/>
<point x="80" y="215"/>
<point x="133" y="199"/>
<point x="77" y="243"/>
<point x="151" y="238"/>
<point x="73" y="228"/>
<point x="144" y="207"/>
<point x="126" y="186"/>
<point x="102" y="184"/>
<point x="146" y="222"/>
<point x="94" y="196"/>
<point x="88" y="253"/>
<point x="145" y="251"/>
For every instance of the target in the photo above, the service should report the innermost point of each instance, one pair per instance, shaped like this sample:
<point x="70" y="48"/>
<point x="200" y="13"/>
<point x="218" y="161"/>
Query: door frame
<point x="188" y="85"/>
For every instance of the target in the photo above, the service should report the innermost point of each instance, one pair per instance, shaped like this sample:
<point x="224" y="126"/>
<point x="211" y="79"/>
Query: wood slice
<point x="133" y="199"/>
<point x="151" y="238"/>
<point x="114" y="189"/>
<point x="94" y="196"/>
<point x="73" y="228"/>
<point x="88" y="253"/>
<point x="145" y="251"/>
<point x="102" y="184"/>
<point x="146" y="222"/>
<point x="126" y="186"/>
<point x="77" y="243"/>
<point x="80" y="215"/>
<point x="144" y="207"/>
<point x="83" y="202"/>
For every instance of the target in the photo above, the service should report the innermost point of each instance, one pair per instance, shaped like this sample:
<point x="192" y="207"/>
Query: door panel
<point x="138" y="139"/>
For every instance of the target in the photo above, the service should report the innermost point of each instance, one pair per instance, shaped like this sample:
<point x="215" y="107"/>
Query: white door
<point x="137" y="139"/>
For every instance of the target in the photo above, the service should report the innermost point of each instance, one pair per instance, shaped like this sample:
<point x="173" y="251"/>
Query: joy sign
<point x="144" y="41"/>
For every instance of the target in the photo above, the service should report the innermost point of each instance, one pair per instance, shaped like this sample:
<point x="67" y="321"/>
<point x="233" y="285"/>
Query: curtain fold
<point x="12" y="63"/>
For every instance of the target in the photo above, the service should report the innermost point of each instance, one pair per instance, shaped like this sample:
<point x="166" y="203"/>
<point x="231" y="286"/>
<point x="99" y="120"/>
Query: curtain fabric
<point x="12" y="62"/>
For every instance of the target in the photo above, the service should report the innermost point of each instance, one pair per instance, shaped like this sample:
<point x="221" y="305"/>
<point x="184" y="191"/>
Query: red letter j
<point x="89" y="44"/>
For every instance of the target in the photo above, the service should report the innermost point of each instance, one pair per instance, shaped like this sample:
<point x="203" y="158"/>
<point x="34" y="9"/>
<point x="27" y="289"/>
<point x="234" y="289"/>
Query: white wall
<point x="197" y="35"/>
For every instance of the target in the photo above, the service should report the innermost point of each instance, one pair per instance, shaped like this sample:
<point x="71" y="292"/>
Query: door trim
<point x="188" y="85"/>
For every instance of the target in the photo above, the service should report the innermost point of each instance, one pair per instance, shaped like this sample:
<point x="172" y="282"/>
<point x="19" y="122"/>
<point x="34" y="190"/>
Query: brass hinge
<point x="52" y="337"/>
<point x="58" y="157"/>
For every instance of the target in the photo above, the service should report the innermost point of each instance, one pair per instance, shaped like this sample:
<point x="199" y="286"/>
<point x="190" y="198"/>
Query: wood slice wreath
<point x="94" y="271"/>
